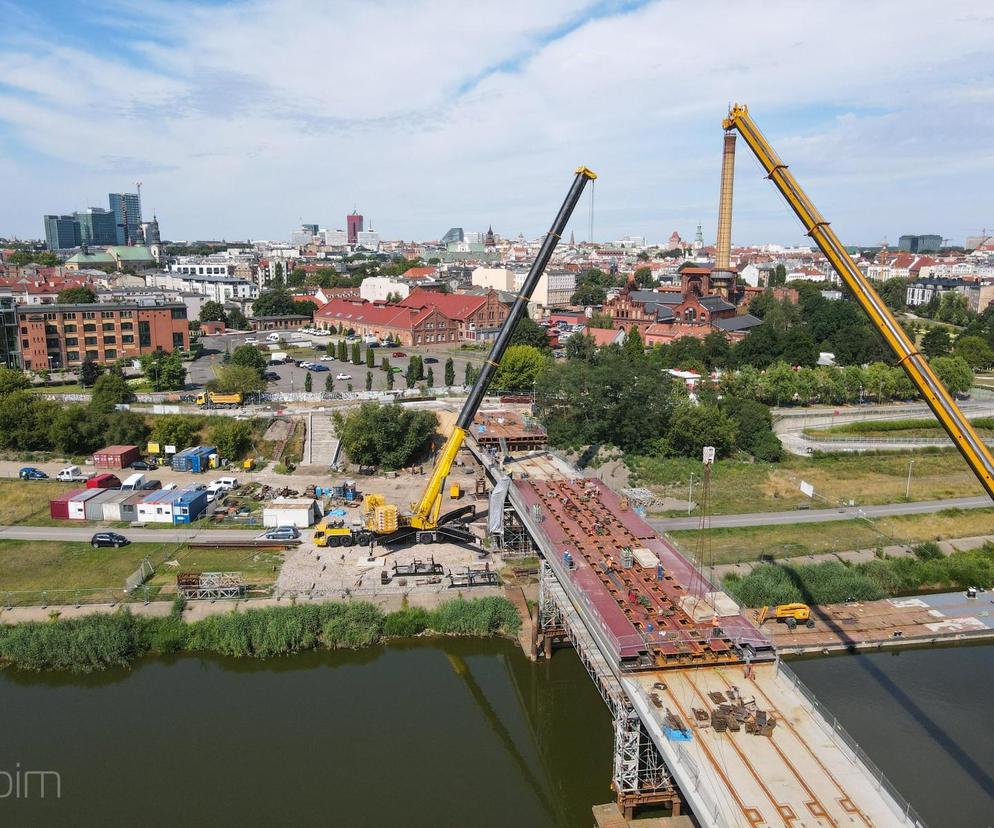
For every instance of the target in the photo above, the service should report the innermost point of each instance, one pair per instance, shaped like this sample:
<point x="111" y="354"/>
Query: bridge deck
<point x="804" y="774"/>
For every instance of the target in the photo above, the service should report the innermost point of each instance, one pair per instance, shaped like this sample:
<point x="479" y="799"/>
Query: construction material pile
<point x="732" y="713"/>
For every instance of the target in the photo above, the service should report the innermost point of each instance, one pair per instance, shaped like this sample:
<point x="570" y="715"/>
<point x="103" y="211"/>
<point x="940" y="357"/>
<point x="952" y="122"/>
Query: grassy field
<point x="895" y="428"/>
<point x="749" y="543"/>
<point x="26" y="501"/>
<point x="29" y="567"/>
<point x="741" y="487"/>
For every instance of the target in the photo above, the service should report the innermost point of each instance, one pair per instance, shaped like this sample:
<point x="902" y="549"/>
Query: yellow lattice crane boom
<point x="924" y="378"/>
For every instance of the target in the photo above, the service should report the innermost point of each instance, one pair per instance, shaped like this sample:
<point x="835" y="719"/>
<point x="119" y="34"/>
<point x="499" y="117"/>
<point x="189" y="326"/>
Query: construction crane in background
<point x="920" y="372"/>
<point x="426" y="524"/>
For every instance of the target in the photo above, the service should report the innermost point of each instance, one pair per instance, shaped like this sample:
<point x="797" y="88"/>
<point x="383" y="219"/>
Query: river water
<point x="430" y="733"/>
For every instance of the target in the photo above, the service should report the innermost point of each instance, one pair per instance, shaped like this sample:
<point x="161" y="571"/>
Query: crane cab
<point x="334" y="532"/>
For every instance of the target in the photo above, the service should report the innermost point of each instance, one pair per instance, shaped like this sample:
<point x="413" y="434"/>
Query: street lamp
<point x="690" y="495"/>
<point x="907" y="491"/>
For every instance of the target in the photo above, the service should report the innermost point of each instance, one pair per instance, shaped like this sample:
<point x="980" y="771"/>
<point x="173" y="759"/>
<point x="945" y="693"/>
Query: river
<point x="429" y="733"/>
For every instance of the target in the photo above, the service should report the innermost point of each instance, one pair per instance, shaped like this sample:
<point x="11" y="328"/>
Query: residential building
<point x="354" y="226"/>
<point x="201" y="265"/>
<point x="379" y="288"/>
<point x="96" y="226"/>
<point x="554" y="287"/>
<point x="61" y="232"/>
<point x="922" y="291"/>
<point x="127" y="210"/>
<point x="221" y="288"/>
<point x="63" y="336"/>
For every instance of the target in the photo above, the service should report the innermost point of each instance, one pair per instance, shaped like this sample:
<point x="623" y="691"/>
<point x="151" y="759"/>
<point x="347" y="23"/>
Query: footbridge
<point x="707" y="718"/>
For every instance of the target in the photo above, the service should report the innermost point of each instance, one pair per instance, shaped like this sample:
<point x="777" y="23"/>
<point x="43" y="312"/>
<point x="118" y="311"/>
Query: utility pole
<point x="907" y="491"/>
<point x="690" y="495"/>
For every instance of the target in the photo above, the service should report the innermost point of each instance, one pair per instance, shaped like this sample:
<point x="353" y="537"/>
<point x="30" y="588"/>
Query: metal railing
<point x="833" y="727"/>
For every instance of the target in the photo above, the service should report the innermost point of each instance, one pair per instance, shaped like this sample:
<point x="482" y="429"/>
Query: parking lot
<point x="312" y="348"/>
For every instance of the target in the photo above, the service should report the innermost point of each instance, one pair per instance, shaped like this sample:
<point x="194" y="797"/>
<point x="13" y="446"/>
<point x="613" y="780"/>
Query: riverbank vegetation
<point x="98" y="642"/>
<point x="835" y="582"/>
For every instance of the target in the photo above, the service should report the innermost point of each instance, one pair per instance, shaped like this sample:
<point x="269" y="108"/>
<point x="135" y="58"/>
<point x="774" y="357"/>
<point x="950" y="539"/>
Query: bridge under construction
<point x="706" y="717"/>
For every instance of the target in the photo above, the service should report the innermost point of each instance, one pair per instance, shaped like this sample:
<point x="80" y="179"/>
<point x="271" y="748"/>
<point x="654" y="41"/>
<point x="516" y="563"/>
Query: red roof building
<point x="478" y="316"/>
<point x="409" y="326"/>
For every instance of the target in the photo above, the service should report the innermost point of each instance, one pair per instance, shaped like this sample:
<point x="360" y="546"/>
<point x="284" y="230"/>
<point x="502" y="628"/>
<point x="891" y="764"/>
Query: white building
<point x="335" y="238"/>
<point x="378" y="288"/>
<point x="369" y="239"/>
<point x="201" y="265"/>
<point x="217" y="288"/>
<point x="286" y="511"/>
<point x="553" y="288"/>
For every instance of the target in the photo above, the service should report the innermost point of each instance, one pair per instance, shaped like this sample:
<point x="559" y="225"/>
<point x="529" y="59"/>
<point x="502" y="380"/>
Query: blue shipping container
<point x="196" y="459"/>
<point x="189" y="505"/>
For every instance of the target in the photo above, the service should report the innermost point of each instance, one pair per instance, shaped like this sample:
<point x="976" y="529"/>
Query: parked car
<point x="149" y="485"/>
<point x="282" y="533"/>
<point x="395" y="369"/>
<point x="251" y="340"/>
<point x="327" y="358"/>
<point x="398" y="354"/>
<point x="342" y="377"/>
<point x="304" y="364"/>
<point x="31" y="473"/>
<point x="272" y="376"/>
<point x="317" y="366"/>
<point x="430" y="361"/>
<point x="108" y="539"/>
<point x="144" y="465"/>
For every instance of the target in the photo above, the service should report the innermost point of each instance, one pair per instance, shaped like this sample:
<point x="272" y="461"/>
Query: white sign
<point x="708" y="455"/>
<point x="807" y="488"/>
<point x="170" y="449"/>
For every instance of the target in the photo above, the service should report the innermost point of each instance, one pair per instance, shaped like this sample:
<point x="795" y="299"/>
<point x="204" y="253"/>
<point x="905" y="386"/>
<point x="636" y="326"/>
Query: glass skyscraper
<point x="97" y="226"/>
<point x="61" y="232"/>
<point x="130" y="204"/>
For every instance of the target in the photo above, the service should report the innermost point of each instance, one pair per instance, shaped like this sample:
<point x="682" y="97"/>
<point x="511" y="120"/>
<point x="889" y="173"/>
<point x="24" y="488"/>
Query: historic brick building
<point x="478" y="315"/>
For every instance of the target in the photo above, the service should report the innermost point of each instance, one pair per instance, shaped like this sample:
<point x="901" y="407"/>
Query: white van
<point x="273" y="337"/>
<point x="224" y="483"/>
<point x="133" y="482"/>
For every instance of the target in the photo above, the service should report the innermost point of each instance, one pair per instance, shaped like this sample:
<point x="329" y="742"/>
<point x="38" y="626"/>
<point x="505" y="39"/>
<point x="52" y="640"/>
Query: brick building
<point x="479" y="316"/>
<point x="409" y="326"/>
<point x="63" y="336"/>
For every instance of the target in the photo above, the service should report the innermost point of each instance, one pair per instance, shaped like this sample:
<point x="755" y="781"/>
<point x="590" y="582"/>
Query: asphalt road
<point x="291" y="378"/>
<point x="823" y="515"/>
<point x="84" y="533"/>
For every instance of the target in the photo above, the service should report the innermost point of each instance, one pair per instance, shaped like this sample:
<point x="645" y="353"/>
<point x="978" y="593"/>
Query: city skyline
<point x="884" y="124"/>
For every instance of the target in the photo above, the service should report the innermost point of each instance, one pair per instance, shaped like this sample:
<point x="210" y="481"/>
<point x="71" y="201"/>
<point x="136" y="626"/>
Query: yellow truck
<point x="789" y="614"/>
<point x="213" y="399"/>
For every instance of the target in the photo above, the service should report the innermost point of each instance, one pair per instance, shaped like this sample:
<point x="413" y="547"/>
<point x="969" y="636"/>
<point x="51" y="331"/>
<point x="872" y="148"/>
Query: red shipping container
<point x="116" y="457"/>
<point x="104" y="481"/>
<point x="58" y="507"/>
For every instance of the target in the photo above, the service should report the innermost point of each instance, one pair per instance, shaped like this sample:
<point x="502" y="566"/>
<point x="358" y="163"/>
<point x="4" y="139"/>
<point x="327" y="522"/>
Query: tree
<point x="529" y="332"/>
<point x="125" y="428"/>
<point x="643" y="277"/>
<point x="954" y="308"/>
<point x="389" y="380"/>
<point x="954" y="372"/>
<point x="88" y="372"/>
<point x="419" y="367"/>
<point x="297" y="277"/>
<point x="519" y="368"/>
<point x="468" y="375"/>
<point x="894" y="292"/>
<point x="600" y="320"/>
<point x="370" y="358"/>
<point x="450" y="373"/>
<point x="165" y="372"/>
<point x="75" y="430"/>
<point x="250" y="357"/>
<point x="633" y="347"/>
<point x="237" y="320"/>
<point x="329" y="382"/>
<point x="180" y="430"/>
<point x="212" y="312"/>
<point x="278" y="274"/>
<point x="356" y="356"/>
<point x="369" y="380"/>
<point x="231" y="437"/>
<point x="12" y="380"/>
<point x="588" y="295"/>
<point x="80" y="295"/>
<point x="25" y="421"/>
<point x="277" y="302"/>
<point x="694" y="426"/>
<point x="777" y="277"/>
<point x="231" y="379"/>
<point x="411" y="374"/>
<point x="936" y="342"/>
<point x="23" y="257"/>
<point x="431" y="378"/>
<point x="389" y="436"/>
<point x="343" y="353"/>
<point x="975" y="351"/>
<point x="580" y="347"/>
<point x="798" y="348"/>
<point x="717" y="350"/>
<point x="109" y="390"/>
<point x="385" y="364"/>
<point x="759" y="349"/>
<point x="308" y="382"/>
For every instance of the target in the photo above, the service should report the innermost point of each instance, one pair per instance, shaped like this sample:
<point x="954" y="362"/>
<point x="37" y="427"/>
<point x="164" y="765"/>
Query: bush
<point x="352" y="626"/>
<point x="78" y="644"/>
<point x="479" y="616"/>
<point x="406" y="623"/>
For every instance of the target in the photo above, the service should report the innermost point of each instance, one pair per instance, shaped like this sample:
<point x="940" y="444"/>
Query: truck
<point x="278" y="357"/>
<point x="73" y="474"/>
<point x="212" y="399"/>
<point x="104" y="481"/>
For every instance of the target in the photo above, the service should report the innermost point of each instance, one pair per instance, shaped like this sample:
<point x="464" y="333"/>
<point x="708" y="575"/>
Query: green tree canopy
<point x="80" y="295"/>
<point x="975" y="350"/>
<point x="389" y="436"/>
<point x="109" y="390"/>
<point x="164" y="371"/>
<point x="212" y="312"/>
<point x="89" y="371"/>
<point x="450" y="372"/>
<point x="694" y="426"/>
<point x="25" y="421"/>
<point x="936" y="342"/>
<point x="180" y="430"/>
<point x="529" y="332"/>
<point x="249" y="356"/>
<point x="954" y="372"/>
<point x="12" y="380"/>
<point x="233" y="438"/>
<point x="519" y="368"/>
<point x="233" y="378"/>
<point x="125" y="428"/>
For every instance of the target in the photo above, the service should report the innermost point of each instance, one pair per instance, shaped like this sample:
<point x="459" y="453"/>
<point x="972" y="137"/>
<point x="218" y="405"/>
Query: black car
<point x="108" y="539"/>
<point x="430" y="360"/>
<point x="143" y="465"/>
<point x="149" y="485"/>
<point x="272" y="376"/>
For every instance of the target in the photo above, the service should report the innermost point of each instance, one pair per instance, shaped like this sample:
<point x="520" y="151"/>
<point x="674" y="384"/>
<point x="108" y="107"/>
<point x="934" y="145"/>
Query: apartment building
<point x="63" y="336"/>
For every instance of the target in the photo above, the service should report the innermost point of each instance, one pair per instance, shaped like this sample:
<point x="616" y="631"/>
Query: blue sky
<point x="244" y="118"/>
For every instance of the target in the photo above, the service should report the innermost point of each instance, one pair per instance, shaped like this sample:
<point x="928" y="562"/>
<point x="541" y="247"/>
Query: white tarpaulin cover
<point x="495" y="522"/>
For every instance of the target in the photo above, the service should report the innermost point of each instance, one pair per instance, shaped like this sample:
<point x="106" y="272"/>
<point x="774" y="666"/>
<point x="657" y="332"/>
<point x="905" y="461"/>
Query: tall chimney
<point x="724" y="254"/>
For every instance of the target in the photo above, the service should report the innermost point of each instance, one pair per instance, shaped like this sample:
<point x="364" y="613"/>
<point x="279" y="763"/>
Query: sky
<point x="244" y="118"/>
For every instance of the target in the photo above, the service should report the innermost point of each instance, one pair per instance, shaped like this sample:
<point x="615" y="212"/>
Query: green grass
<point x="26" y="501"/>
<point x="739" y="487"/>
<point x="60" y="388"/>
<point x="896" y="428"/>
<point x="259" y="567"/>
<point x="751" y="543"/>
<point x="833" y="582"/>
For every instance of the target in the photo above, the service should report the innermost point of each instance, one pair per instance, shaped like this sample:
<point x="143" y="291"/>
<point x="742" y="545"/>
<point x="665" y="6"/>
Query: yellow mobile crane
<point x="924" y="378"/>
<point x="426" y="524"/>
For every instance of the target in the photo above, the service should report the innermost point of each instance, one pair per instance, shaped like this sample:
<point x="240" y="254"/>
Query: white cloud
<point x="244" y="118"/>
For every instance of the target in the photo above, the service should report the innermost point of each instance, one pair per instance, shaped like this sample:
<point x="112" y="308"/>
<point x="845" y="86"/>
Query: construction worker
<point x="659" y="571"/>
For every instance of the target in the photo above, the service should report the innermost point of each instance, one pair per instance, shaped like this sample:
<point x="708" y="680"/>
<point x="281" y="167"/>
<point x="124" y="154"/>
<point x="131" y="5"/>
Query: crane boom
<point x="924" y="378"/>
<point x="425" y="514"/>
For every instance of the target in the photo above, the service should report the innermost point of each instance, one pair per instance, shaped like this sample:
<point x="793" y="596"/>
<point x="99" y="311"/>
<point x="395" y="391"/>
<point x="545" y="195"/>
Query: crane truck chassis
<point x="382" y="522"/>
